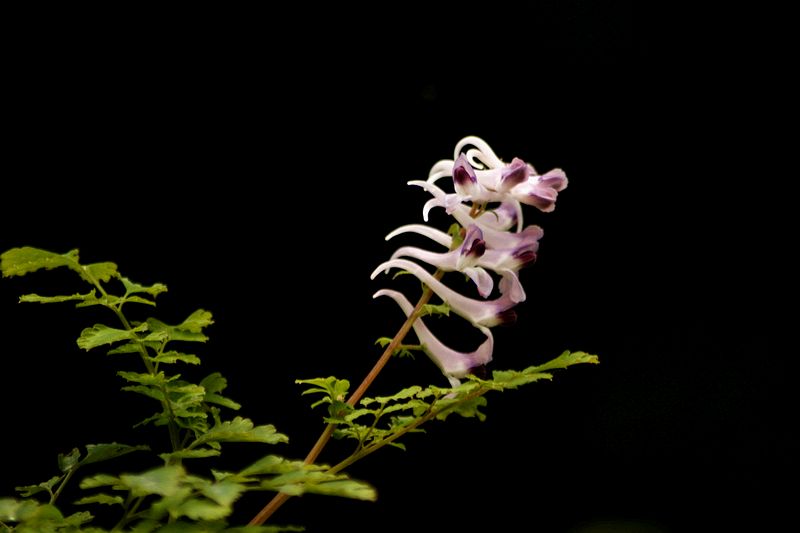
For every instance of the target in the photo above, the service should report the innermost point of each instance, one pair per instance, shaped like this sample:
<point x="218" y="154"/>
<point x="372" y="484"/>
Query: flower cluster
<point x="487" y="204"/>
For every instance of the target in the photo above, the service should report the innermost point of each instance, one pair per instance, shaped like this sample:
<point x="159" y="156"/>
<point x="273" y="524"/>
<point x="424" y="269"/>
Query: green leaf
<point x="408" y="392"/>
<point x="103" y="499"/>
<point x="196" y="509"/>
<point x="310" y="479"/>
<point x="158" y="379"/>
<point x="76" y="519"/>
<point x="102" y="480"/>
<point x="213" y="384"/>
<point x="21" y="261"/>
<point x="138" y="300"/>
<point x="346" y="488"/>
<point x="403" y="350"/>
<point x="466" y="408"/>
<point x="442" y="309"/>
<point x="240" y="430"/>
<point x="200" y="453"/>
<point x="27" y="491"/>
<point x="565" y="360"/>
<point x="334" y="389"/>
<point x="150" y="392"/>
<point x="511" y="379"/>
<point x="128" y="347"/>
<point x="164" y="481"/>
<point x="188" y="330"/>
<point x="173" y="357"/>
<point x="31" y="513"/>
<point x="69" y="461"/>
<point x="96" y="453"/>
<point x="455" y="232"/>
<point x="196" y="321"/>
<point x="136" y="288"/>
<point x="35" y="298"/>
<point x="271" y="464"/>
<point x="224" y="492"/>
<point x="100" y="271"/>
<point x="99" y="335"/>
<point x="222" y="400"/>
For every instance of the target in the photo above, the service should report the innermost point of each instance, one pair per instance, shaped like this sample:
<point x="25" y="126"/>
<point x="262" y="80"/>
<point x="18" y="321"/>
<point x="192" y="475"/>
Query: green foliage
<point x="171" y="499"/>
<point x="403" y="350"/>
<point x="192" y="411"/>
<point x="21" y="261"/>
<point x="239" y="430"/>
<point x="455" y="232"/>
<point x="442" y="309"/>
<point x="34" y="517"/>
<point x="98" y="335"/>
<point x="382" y="420"/>
<point x="296" y="478"/>
<point x="334" y="393"/>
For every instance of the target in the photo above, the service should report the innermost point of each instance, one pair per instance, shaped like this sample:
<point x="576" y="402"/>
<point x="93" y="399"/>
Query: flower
<point x="487" y="313"/>
<point x="452" y="363"/>
<point x="541" y="191"/>
<point x="463" y="259"/>
<point x="486" y="202"/>
<point x="480" y="176"/>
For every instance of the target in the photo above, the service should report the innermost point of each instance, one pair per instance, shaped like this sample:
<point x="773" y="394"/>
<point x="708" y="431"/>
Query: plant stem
<point x="174" y="438"/>
<point x="279" y="499"/>
<point x="363" y="452"/>
<point x="61" y="485"/>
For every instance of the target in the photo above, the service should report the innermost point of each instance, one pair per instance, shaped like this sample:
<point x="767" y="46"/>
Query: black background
<point x="256" y="176"/>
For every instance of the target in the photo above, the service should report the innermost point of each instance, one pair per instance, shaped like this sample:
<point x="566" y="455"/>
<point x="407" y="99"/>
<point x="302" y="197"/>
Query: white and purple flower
<point x="487" y="204"/>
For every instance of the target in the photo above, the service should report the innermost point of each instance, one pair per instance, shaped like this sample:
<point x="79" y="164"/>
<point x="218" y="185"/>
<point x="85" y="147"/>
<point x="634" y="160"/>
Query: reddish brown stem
<point x="280" y="498"/>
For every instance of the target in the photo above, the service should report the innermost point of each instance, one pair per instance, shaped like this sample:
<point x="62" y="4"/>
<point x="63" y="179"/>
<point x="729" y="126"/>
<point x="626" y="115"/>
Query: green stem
<point x="54" y="496"/>
<point x="174" y="437"/>
<point x="372" y="448"/>
<point x="131" y="506"/>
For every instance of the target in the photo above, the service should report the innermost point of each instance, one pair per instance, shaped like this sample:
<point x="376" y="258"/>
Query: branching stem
<point x="323" y="439"/>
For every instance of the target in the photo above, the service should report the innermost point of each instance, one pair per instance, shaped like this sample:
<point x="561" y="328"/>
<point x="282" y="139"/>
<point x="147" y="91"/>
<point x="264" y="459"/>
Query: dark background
<point x="256" y="177"/>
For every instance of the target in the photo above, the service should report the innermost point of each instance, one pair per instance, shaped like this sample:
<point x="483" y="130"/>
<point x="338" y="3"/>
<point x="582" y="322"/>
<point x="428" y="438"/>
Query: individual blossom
<point x="493" y="180"/>
<point x="463" y="259"/>
<point x="453" y="364"/>
<point x="487" y="313"/>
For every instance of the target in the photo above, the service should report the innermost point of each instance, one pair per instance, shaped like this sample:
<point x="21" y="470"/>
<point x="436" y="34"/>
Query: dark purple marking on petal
<point x="555" y="179"/>
<point x="525" y="256"/>
<point x="474" y="245"/>
<point x="480" y="371"/>
<point x="515" y="173"/>
<point x="506" y="318"/>
<point x="474" y="249"/>
<point x="463" y="173"/>
<point x="542" y="198"/>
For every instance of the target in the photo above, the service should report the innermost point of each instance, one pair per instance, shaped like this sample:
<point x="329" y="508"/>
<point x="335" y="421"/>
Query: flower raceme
<point x="486" y="202"/>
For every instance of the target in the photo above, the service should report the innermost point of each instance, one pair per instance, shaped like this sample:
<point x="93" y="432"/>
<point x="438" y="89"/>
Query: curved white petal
<point x="494" y="238"/>
<point x="483" y="281"/>
<point x="452" y="363"/>
<point x="446" y="261"/>
<point x="449" y="263"/>
<point x="481" y="155"/>
<point x="511" y="286"/>
<point x="480" y="313"/>
<point x="432" y="233"/>
<point x="441" y="169"/>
